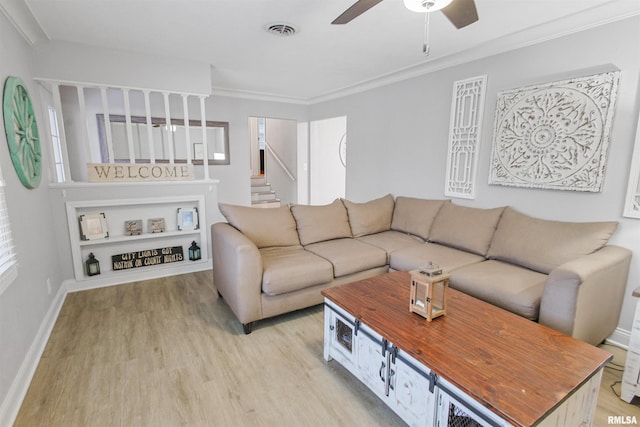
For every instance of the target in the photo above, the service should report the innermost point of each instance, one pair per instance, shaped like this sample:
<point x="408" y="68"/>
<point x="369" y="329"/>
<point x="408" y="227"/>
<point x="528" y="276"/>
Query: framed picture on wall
<point x="188" y="219"/>
<point x="93" y="226"/>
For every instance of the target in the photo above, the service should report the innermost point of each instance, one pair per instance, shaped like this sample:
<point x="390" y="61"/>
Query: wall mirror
<point x="217" y="140"/>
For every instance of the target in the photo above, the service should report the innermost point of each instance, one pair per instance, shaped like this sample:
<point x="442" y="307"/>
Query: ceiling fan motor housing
<point x="426" y="5"/>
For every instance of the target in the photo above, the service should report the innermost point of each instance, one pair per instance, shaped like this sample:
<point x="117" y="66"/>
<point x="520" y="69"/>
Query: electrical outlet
<point x="49" y="285"/>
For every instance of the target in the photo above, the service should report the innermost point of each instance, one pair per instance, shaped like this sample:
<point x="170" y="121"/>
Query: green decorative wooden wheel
<point x="22" y="132"/>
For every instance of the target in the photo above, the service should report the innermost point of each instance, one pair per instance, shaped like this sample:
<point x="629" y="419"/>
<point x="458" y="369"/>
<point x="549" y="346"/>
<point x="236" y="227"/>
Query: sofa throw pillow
<point x="264" y="227"/>
<point x="317" y="223"/>
<point x="466" y="228"/>
<point x="415" y="216"/>
<point x="370" y="217"/>
<point x="542" y="245"/>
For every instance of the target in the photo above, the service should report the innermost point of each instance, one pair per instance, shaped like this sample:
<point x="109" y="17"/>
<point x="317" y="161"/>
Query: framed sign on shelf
<point x="93" y="226"/>
<point x="187" y="219"/>
<point x="133" y="227"/>
<point x="156" y="225"/>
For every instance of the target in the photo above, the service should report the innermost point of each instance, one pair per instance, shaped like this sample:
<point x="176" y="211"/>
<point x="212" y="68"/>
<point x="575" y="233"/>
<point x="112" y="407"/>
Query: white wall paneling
<point x="465" y="130"/>
<point x="632" y="202"/>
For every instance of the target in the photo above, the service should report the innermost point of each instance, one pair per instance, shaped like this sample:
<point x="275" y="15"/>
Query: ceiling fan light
<point x="426" y="5"/>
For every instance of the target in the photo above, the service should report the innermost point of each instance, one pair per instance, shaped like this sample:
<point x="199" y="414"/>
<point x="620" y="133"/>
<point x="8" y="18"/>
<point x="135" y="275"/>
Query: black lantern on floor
<point x="194" y="251"/>
<point x="93" y="265"/>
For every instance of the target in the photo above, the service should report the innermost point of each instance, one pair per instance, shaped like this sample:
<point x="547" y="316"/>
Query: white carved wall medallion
<point x="556" y="135"/>
<point x="465" y="129"/>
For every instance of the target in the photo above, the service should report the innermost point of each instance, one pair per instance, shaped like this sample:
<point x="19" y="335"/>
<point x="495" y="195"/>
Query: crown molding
<point x="22" y="18"/>
<point x="591" y="18"/>
<point x="610" y="12"/>
<point x="258" y="96"/>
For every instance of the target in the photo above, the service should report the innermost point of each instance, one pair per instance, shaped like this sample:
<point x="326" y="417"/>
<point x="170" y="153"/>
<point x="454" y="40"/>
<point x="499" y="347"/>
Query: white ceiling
<point x="321" y="60"/>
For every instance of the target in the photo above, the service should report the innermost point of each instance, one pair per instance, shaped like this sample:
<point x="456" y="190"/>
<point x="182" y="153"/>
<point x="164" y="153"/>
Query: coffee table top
<point x="519" y="369"/>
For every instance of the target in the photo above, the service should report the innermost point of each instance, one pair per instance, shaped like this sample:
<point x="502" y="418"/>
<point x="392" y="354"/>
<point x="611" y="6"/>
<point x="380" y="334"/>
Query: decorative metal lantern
<point x="429" y="292"/>
<point x="92" y="265"/>
<point x="194" y="251"/>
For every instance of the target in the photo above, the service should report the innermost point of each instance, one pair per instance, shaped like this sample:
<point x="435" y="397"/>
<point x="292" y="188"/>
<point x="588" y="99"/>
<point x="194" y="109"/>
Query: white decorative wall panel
<point x="467" y="106"/>
<point x="632" y="203"/>
<point x="554" y="135"/>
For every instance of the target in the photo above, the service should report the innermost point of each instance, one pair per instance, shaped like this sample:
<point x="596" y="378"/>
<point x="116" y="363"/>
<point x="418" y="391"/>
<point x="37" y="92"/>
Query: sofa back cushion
<point x="415" y="216"/>
<point x="320" y="223"/>
<point x="466" y="228"/>
<point x="264" y="227"/>
<point x="370" y="217"/>
<point x="542" y="245"/>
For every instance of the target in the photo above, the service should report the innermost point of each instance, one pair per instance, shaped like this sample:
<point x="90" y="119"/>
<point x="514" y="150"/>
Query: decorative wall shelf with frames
<point x="117" y="212"/>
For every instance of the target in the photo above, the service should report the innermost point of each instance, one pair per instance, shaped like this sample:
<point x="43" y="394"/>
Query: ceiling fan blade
<point x="461" y="13"/>
<point x="356" y="9"/>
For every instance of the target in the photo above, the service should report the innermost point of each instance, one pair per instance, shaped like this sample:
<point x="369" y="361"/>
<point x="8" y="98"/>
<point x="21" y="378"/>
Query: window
<point x="55" y="141"/>
<point x="8" y="264"/>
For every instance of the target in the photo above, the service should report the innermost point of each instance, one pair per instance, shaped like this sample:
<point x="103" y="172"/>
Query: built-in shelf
<point x="144" y="236"/>
<point x="118" y="242"/>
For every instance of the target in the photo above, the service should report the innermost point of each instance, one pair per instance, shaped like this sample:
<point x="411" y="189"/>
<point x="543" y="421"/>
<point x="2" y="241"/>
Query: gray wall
<point x="27" y="303"/>
<point x="398" y="133"/>
<point x="397" y="144"/>
<point x="234" y="179"/>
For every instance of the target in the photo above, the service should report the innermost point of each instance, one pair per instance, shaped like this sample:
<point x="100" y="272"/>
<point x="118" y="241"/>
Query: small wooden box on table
<point x="478" y="362"/>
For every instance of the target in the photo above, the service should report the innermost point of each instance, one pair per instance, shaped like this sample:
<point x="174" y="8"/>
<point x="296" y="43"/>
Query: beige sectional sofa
<point x="560" y="274"/>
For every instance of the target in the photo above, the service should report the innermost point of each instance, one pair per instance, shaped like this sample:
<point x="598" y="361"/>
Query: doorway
<point x="274" y="161"/>
<point x="327" y="160"/>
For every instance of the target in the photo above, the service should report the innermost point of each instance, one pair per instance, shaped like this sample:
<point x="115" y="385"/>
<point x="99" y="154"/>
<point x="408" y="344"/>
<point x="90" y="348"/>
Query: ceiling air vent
<point x="283" y="30"/>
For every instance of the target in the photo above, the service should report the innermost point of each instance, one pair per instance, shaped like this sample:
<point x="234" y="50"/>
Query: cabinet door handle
<point x="382" y="368"/>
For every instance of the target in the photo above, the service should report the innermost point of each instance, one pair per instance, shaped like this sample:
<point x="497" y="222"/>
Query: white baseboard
<point x="20" y="385"/>
<point x="135" y="275"/>
<point x="619" y="338"/>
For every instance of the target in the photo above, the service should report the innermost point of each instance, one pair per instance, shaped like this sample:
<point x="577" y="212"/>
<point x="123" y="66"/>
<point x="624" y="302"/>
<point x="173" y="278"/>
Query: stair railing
<point x="279" y="161"/>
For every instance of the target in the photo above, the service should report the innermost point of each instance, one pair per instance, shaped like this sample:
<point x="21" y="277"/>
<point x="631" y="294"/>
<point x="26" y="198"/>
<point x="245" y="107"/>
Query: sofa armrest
<point x="583" y="297"/>
<point x="237" y="271"/>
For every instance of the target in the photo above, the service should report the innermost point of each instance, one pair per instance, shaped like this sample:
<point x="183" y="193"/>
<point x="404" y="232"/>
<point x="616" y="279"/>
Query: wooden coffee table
<point x="478" y="361"/>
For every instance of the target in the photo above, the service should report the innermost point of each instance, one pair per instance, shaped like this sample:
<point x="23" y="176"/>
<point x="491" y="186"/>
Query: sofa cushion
<point x="415" y="216"/>
<point x="417" y="256"/>
<point x="370" y="217"/>
<point x="516" y="289"/>
<point x="466" y="228"/>
<point x="349" y="255"/>
<point x="287" y="269"/>
<point x="320" y="223"/>
<point x="264" y="227"/>
<point x="391" y="241"/>
<point x="543" y="245"/>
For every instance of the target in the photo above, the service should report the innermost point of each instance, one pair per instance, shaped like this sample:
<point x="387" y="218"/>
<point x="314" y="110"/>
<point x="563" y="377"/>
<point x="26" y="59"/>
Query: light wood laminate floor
<point x="169" y="352"/>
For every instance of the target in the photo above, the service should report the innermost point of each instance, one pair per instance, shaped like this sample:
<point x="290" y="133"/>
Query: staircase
<point x="261" y="194"/>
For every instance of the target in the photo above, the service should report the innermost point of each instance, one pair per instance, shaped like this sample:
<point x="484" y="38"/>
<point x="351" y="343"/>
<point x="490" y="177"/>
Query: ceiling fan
<point x="460" y="12"/>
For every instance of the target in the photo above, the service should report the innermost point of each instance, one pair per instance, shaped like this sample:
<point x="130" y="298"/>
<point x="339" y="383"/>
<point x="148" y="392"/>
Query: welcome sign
<point x="138" y="172"/>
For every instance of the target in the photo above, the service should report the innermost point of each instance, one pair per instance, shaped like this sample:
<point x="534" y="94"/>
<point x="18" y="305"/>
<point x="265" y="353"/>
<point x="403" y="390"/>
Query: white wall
<point x="282" y="135"/>
<point x="82" y="63"/>
<point x="398" y="134"/>
<point x="235" y="185"/>
<point x="327" y="174"/>
<point x="27" y="308"/>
